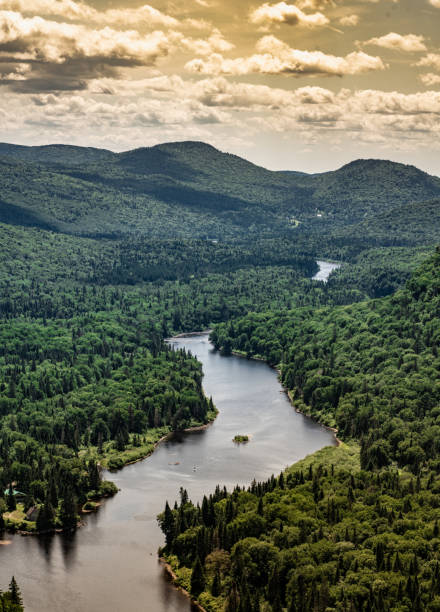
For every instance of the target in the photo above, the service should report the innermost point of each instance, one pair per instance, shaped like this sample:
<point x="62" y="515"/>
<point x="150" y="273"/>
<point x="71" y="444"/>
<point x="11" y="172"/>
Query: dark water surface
<point x="111" y="563"/>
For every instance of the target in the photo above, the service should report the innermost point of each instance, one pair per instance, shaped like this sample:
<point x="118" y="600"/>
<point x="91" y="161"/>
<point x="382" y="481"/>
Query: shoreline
<point x="288" y="393"/>
<point x="195" y="334"/>
<point x="164" y="439"/>
<point x="332" y="429"/>
<point x="80" y="524"/>
<point x="172" y="575"/>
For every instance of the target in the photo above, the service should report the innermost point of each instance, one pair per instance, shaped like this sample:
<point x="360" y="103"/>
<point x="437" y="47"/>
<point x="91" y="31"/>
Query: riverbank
<point x="16" y="522"/>
<point x="309" y="416"/>
<point x="111" y="562"/>
<point x="189" y="335"/>
<point x="175" y="581"/>
<point x="288" y="392"/>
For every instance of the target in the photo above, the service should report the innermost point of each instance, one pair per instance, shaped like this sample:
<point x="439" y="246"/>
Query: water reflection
<point x="110" y="564"/>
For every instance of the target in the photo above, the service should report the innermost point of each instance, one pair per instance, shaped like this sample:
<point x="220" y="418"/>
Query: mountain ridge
<point x="192" y="189"/>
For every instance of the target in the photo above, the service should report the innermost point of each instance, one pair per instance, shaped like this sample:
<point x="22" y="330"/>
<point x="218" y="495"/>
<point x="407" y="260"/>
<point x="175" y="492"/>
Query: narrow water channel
<point x="111" y="564"/>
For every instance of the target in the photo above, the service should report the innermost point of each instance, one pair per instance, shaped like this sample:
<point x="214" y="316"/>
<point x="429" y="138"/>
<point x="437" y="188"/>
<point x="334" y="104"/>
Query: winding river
<point x="111" y="564"/>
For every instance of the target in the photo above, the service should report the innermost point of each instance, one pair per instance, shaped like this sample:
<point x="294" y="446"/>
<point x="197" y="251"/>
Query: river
<point x="111" y="564"/>
<point x="325" y="269"/>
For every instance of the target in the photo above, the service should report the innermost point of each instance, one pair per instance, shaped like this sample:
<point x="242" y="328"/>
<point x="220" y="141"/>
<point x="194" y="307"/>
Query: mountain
<point x="191" y="189"/>
<point x="367" y="187"/>
<point x="57" y="154"/>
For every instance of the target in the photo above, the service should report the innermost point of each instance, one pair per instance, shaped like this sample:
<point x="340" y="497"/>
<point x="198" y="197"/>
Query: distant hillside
<point x="191" y="189"/>
<point x="55" y="154"/>
<point x="368" y="187"/>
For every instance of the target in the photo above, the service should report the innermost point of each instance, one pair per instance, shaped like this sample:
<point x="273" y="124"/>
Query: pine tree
<point x="15" y="592"/>
<point x="167" y="524"/>
<point x="68" y="514"/>
<point x="46" y="516"/>
<point x="94" y="476"/>
<point x="53" y="493"/>
<point x="216" y="584"/>
<point x="197" y="578"/>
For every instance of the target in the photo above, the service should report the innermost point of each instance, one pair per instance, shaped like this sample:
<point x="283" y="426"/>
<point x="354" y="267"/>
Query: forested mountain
<point x="57" y="154"/>
<point x="190" y="189"/>
<point x="105" y="255"/>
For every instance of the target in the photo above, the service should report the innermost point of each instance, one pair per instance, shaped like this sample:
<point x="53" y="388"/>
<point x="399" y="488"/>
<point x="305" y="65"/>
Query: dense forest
<point x="105" y="256"/>
<point x="324" y="535"/>
<point x="352" y="528"/>
<point x="370" y="369"/>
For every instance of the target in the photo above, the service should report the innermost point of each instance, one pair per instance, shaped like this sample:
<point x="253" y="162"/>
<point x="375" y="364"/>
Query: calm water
<point x="325" y="269"/>
<point x="111" y="564"/>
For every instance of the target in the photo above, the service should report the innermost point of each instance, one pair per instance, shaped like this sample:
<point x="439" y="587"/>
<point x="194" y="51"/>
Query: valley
<point x="104" y="257"/>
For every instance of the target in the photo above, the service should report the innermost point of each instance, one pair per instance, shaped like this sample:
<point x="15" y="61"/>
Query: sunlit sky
<point x="306" y="85"/>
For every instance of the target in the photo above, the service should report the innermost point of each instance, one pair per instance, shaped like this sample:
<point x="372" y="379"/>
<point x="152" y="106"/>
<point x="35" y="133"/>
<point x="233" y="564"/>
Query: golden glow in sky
<point x="301" y="85"/>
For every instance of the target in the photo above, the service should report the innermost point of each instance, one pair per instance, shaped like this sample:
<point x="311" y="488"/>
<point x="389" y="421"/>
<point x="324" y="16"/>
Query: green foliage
<point x="239" y="439"/>
<point x="329" y="537"/>
<point x="370" y="369"/>
<point x="190" y="189"/>
<point x="11" y="600"/>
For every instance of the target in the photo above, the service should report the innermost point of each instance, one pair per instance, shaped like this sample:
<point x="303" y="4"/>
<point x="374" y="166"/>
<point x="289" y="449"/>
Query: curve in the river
<point x="111" y="564"/>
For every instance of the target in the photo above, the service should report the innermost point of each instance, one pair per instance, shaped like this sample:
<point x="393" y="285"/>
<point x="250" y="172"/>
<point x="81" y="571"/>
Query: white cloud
<point x="38" y="39"/>
<point x="64" y="56"/>
<point x="430" y="79"/>
<point x="432" y="60"/>
<point x="349" y="20"/>
<point x="276" y="14"/>
<point x="409" y="43"/>
<point x="215" y="43"/>
<point x="71" y="10"/>
<point x="276" y="57"/>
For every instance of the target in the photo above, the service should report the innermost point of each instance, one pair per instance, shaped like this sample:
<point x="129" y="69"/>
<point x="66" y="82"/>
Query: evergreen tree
<point x="197" y="578"/>
<point x="68" y="510"/>
<point x="216" y="584"/>
<point x="46" y="516"/>
<point x="15" y="592"/>
<point x="94" y="476"/>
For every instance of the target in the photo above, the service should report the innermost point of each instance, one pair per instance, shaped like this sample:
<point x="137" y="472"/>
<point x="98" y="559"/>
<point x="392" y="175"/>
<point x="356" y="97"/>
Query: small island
<point x="241" y="439"/>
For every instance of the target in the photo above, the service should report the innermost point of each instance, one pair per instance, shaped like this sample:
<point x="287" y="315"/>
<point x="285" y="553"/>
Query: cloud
<point x="65" y="56"/>
<point x="349" y="20"/>
<point x="430" y="79"/>
<point x="215" y="43"/>
<point x="39" y="40"/>
<point x="410" y="43"/>
<point x="435" y="3"/>
<point x="276" y="14"/>
<point x="276" y="57"/>
<point x="78" y="11"/>
<point x="432" y="60"/>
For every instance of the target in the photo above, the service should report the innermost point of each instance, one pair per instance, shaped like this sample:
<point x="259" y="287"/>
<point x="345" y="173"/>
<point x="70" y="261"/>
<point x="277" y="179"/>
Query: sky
<point x="294" y="85"/>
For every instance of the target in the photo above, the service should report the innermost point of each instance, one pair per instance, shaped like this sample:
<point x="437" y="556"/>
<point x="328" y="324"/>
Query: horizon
<point x="288" y="84"/>
<point x="168" y="142"/>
